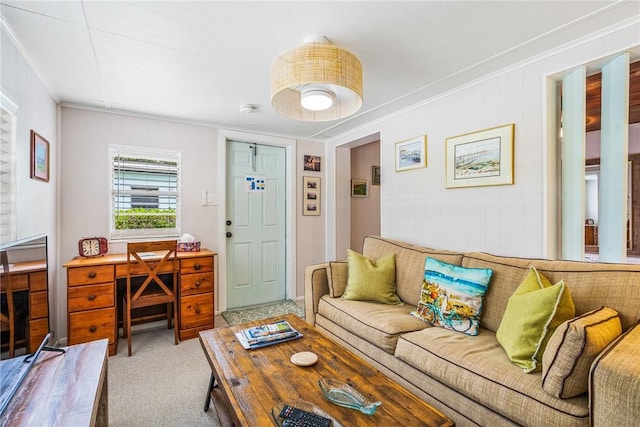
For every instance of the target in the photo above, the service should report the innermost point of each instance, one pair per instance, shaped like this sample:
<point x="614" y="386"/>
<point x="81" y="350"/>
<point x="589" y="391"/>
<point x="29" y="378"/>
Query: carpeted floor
<point x="248" y="314"/>
<point x="161" y="384"/>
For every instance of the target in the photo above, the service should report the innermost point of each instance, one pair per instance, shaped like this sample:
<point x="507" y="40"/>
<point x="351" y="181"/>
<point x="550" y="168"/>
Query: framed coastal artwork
<point x="411" y="153"/>
<point x="480" y="158"/>
<point x="310" y="196"/>
<point x="39" y="157"/>
<point x="312" y="163"/>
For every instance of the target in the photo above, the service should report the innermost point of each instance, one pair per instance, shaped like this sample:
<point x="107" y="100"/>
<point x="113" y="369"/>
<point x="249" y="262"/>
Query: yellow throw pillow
<point x="533" y="312"/>
<point x="370" y="280"/>
<point x="572" y="349"/>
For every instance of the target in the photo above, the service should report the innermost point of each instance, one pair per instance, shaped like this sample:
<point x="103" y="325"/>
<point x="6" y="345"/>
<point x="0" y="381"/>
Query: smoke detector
<point x="248" y="109"/>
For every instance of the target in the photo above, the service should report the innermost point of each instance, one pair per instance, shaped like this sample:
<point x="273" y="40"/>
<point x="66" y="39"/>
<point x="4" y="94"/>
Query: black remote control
<point x="294" y="417"/>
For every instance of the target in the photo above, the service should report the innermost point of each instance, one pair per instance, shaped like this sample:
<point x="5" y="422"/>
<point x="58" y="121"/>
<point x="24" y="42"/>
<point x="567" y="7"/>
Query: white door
<point x="255" y="224"/>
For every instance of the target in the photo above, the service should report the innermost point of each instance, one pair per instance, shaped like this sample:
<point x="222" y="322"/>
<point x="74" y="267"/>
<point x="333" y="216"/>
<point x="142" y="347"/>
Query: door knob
<point x="228" y="222"/>
<point x="229" y="234"/>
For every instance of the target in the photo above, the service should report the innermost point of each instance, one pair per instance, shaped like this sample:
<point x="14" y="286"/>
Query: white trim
<point x="225" y="135"/>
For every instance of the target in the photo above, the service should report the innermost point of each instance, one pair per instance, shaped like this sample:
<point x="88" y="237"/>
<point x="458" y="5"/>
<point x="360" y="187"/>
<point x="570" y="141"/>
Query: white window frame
<point x="151" y="154"/>
<point x="8" y="178"/>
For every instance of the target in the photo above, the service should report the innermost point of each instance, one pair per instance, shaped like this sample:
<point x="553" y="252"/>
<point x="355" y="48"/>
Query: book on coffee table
<point x="265" y="335"/>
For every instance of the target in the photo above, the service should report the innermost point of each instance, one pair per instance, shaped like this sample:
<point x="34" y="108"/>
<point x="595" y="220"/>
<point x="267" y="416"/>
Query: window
<point x="145" y="192"/>
<point x="8" y="202"/>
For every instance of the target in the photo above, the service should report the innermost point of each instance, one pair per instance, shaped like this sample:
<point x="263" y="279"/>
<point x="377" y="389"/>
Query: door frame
<point x="224" y="136"/>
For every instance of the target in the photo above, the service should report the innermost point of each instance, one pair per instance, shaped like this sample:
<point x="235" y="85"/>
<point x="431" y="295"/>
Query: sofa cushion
<point x="534" y="311"/>
<point x="478" y="368"/>
<point x="337" y="273"/>
<point x="370" y="280"/>
<point x="572" y="349"/>
<point x="379" y="324"/>
<point x="451" y="296"/>
<point x="409" y="263"/>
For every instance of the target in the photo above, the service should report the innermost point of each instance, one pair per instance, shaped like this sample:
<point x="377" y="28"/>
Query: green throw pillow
<point x="533" y="313"/>
<point x="371" y="280"/>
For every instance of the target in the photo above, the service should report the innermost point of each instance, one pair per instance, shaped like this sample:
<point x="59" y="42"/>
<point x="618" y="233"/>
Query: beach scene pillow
<point x="452" y="296"/>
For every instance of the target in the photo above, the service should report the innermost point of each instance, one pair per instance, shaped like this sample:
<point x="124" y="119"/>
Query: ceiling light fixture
<point x="316" y="82"/>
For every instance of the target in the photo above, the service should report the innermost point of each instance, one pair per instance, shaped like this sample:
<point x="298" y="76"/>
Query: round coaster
<point x="305" y="358"/>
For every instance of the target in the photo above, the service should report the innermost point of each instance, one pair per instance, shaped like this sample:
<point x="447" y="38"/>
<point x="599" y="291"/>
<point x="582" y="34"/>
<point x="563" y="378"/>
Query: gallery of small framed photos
<point x="310" y="196"/>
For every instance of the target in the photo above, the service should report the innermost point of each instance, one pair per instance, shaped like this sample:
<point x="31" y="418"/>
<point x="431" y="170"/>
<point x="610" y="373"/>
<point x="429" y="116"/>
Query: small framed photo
<point x="480" y="158"/>
<point x="311" y="163"/>
<point x="39" y="157"/>
<point x="310" y="195"/>
<point x="411" y="153"/>
<point x="359" y="188"/>
<point x="375" y="175"/>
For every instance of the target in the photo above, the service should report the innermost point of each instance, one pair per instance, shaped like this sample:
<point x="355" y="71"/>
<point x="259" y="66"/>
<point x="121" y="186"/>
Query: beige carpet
<point x="161" y="384"/>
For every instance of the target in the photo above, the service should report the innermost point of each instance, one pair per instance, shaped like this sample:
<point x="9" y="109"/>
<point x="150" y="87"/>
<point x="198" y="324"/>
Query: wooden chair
<point x="153" y="291"/>
<point x="7" y="321"/>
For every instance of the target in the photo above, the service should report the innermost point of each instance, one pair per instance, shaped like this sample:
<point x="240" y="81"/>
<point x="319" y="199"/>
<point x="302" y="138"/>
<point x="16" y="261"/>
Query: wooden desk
<point x="31" y="276"/>
<point x="63" y="389"/>
<point x="251" y="382"/>
<point x="92" y="296"/>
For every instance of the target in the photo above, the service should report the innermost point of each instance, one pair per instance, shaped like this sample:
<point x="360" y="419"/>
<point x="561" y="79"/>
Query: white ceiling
<point x="199" y="61"/>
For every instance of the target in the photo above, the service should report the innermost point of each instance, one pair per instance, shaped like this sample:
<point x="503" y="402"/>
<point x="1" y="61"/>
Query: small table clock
<point x="92" y="246"/>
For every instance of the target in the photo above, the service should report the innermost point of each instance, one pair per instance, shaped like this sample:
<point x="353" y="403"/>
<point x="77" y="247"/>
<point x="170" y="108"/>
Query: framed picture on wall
<point x="39" y="157"/>
<point x="311" y="163"/>
<point x="310" y="195"/>
<point x="411" y="153"/>
<point x="375" y="175"/>
<point x="480" y="158"/>
<point x="359" y="188"/>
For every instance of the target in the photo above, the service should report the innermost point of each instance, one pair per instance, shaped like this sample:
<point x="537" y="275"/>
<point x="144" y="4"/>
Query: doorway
<point x="255" y="224"/>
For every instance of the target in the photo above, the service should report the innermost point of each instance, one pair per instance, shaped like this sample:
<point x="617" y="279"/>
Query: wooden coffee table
<point x="251" y="382"/>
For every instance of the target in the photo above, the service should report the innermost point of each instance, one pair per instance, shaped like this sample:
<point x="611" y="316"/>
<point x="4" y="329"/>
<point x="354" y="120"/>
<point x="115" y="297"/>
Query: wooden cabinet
<point x="92" y="302"/>
<point x="196" y="296"/>
<point x="36" y="283"/>
<point x="91" y="305"/>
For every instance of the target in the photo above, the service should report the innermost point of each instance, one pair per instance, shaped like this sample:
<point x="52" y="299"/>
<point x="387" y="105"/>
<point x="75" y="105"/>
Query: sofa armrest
<point x="614" y="383"/>
<point x="315" y="286"/>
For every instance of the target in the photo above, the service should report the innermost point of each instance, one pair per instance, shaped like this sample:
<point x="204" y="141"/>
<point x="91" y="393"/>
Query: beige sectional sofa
<point x="470" y="378"/>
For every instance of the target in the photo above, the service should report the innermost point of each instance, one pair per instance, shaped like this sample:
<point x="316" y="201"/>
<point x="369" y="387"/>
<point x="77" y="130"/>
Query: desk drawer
<point x="88" y="275"/>
<point x="140" y="270"/>
<point x="39" y="305"/>
<point x="19" y="282"/>
<point x="92" y="325"/>
<point x="38" y="281"/>
<point x="198" y="283"/>
<point x="90" y="297"/>
<point x="38" y="329"/>
<point x="196" y="310"/>
<point x="196" y="265"/>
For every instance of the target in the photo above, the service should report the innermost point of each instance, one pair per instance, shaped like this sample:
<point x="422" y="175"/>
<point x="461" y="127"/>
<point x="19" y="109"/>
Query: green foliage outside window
<point x="141" y="218"/>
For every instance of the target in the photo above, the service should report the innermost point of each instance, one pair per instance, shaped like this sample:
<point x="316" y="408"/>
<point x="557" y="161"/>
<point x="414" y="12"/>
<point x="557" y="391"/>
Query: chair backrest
<point x="7" y="320"/>
<point x="138" y="260"/>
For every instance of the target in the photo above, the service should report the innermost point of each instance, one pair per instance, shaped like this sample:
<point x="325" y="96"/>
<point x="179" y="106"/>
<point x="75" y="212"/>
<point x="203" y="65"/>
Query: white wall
<point x="36" y="200"/>
<point x="510" y="220"/>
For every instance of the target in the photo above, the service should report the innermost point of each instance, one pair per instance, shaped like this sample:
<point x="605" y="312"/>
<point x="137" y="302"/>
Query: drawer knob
<point x="91" y="297"/>
<point x="198" y="284"/>
<point x="93" y="329"/>
<point x="197" y="266"/>
<point x="197" y="309"/>
<point x="92" y="275"/>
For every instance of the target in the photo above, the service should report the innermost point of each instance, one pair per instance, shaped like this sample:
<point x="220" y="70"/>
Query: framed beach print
<point x="411" y="153"/>
<point x="39" y="157"/>
<point x="310" y="195"/>
<point x="312" y="163"/>
<point x="359" y="188"/>
<point x="480" y="158"/>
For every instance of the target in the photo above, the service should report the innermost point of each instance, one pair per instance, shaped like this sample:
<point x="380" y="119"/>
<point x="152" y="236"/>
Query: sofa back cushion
<point x="591" y="284"/>
<point x="410" y="261"/>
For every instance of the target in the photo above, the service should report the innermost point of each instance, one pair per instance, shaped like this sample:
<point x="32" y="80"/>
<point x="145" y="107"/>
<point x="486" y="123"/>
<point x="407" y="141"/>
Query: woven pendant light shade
<point x="316" y="66"/>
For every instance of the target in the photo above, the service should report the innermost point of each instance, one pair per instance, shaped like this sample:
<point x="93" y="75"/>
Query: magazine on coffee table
<point x="265" y="335"/>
